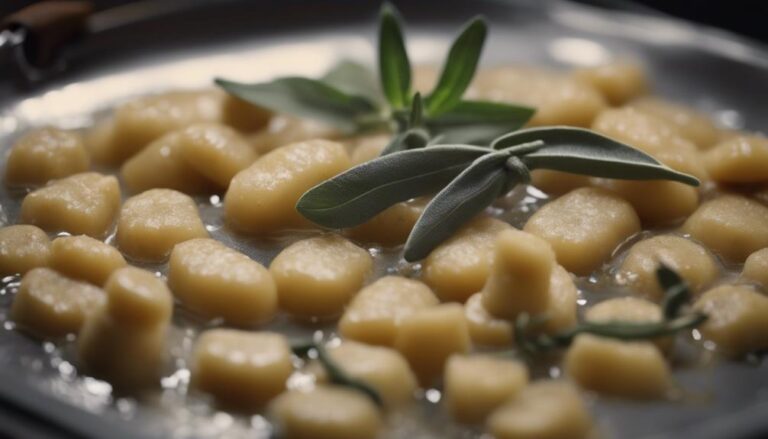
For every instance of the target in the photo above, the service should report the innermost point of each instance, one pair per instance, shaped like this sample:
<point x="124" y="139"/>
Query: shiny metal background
<point x="154" y="46"/>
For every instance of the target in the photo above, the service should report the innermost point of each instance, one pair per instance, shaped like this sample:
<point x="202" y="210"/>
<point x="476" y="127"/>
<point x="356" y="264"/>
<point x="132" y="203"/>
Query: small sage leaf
<point x="358" y="194"/>
<point x="355" y="79"/>
<point x="394" y="66"/>
<point x="304" y="97"/>
<point x="479" y="122"/>
<point x="459" y="68"/>
<point x="676" y="292"/>
<point x="467" y="195"/>
<point x="417" y="111"/>
<point x="581" y="151"/>
<point x="411" y="139"/>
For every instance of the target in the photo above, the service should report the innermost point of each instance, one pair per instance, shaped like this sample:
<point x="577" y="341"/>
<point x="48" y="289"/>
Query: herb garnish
<point x="336" y="373"/>
<point x="677" y="294"/>
<point x="349" y="98"/>
<point x="469" y="178"/>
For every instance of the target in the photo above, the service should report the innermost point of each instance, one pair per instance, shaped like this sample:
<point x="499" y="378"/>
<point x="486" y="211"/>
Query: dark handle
<point x="47" y="27"/>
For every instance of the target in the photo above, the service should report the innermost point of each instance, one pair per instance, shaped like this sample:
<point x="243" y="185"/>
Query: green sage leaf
<point x="676" y="292"/>
<point x="411" y="139"/>
<point x="581" y="151"/>
<point x="459" y="68"/>
<point x="358" y="194"/>
<point x="479" y="122"/>
<point x="467" y="195"/>
<point x="305" y="97"/>
<point x="355" y="79"/>
<point x="394" y="66"/>
<point x="416" y="118"/>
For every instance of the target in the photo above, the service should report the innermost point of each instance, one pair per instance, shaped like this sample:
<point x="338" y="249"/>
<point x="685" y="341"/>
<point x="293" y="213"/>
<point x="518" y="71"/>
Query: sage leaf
<point x="459" y="68"/>
<point x="467" y="195"/>
<point x="411" y="139"/>
<point x="355" y="79"/>
<point x="304" y="97"/>
<point x="358" y="194"/>
<point x="416" y="118"/>
<point x="676" y="292"/>
<point x="479" y="122"/>
<point x="581" y="151"/>
<point x="394" y="66"/>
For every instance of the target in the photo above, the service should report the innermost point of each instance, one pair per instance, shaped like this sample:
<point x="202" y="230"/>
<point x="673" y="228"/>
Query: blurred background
<point x="744" y="17"/>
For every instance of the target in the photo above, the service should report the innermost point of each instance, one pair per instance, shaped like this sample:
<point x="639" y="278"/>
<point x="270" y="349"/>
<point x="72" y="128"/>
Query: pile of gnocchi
<point x="110" y="244"/>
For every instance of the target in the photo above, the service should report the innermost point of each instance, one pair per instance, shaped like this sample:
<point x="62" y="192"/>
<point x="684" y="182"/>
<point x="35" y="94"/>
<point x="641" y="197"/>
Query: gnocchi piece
<point x="671" y="201"/>
<point x="629" y="309"/>
<point x="285" y="130"/>
<point x="325" y="412"/>
<point x="51" y="305"/>
<point x="140" y="121"/>
<point x="484" y="328"/>
<point x="367" y="148"/>
<point x="81" y="204"/>
<point x="124" y="342"/>
<point x="520" y="280"/>
<point x="756" y="268"/>
<point x="692" y="124"/>
<point x="45" y="154"/>
<point x="737" y="319"/>
<point x="556" y="182"/>
<point x="731" y="226"/>
<point x="459" y="267"/>
<point x="428" y="337"/>
<point x="634" y="370"/>
<point x="542" y="410"/>
<point x="563" y="294"/>
<point x="23" y="248"/>
<point x="85" y="258"/>
<point x="689" y="259"/>
<point x="618" y="82"/>
<point x="317" y="277"/>
<point x="374" y="316"/>
<point x="215" y="151"/>
<point x="152" y="222"/>
<point x="741" y="159"/>
<point x="243" y="116"/>
<point x="161" y="164"/>
<point x="384" y="369"/>
<point x="241" y="368"/>
<point x="216" y="281"/>
<point x="584" y="227"/>
<point x="644" y="131"/>
<point x="558" y="98"/>
<point x="262" y="198"/>
<point x="390" y="227"/>
<point x="475" y="385"/>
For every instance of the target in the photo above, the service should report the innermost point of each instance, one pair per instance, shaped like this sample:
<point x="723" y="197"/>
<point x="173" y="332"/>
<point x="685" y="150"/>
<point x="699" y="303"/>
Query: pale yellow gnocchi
<point x="325" y="412"/>
<point x="261" y="199"/>
<point x="317" y="277"/>
<point x="215" y="281"/>
<point x="85" y="258"/>
<point x="584" y="227"/>
<point x="377" y="312"/>
<point x="741" y="159"/>
<point x="241" y="368"/>
<point x="152" y="222"/>
<point x="756" y="268"/>
<point x="23" y="248"/>
<point x="737" y="319"/>
<point x="81" y="204"/>
<point x="43" y="155"/>
<point x="51" y="305"/>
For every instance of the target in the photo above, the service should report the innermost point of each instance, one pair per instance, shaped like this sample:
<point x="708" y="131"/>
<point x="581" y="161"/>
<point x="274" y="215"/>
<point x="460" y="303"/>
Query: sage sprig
<point x="349" y="98"/>
<point x="677" y="294"/>
<point x="336" y="373"/>
<point x="467" y="179"/>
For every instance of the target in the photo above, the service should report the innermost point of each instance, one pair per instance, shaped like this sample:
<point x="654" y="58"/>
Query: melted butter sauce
<point x="177" y="408"/>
